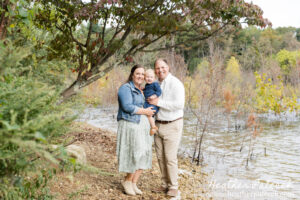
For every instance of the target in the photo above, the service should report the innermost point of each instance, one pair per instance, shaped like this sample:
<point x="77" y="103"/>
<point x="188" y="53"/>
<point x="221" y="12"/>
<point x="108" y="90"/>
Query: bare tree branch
<point x="89" y="34"/>
<point x="185" y="41"/>
<point x="151" y="42"/>
<point x="71" y="34"/>
<point x="104" y="25"/>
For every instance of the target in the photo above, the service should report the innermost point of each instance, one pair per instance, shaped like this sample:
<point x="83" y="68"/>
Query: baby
<point x="151" y="90"/>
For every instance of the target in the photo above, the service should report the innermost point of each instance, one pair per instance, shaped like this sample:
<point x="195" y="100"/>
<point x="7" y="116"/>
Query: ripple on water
<point x="222" y="155"/>
<point x="281" y="166"/>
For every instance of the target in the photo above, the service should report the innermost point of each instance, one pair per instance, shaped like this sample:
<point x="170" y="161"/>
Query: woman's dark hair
<point x="133" y="70"/>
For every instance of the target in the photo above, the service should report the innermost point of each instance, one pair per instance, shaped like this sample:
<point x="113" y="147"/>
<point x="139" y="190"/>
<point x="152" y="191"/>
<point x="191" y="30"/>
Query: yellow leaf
<point x="83" y="72"/>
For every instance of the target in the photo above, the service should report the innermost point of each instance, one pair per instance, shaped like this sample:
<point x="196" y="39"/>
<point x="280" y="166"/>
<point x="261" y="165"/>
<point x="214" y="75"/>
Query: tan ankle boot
<point x="136" y="189"/>
<point x="127" y="185"/>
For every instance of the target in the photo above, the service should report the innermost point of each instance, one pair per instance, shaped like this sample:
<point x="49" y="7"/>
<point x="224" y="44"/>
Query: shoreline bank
<point x="99" y="146"/>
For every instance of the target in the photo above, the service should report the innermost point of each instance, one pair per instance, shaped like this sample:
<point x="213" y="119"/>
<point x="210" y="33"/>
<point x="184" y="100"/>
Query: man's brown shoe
<point x="160" y="190"/>
<point x="172" y="192"/>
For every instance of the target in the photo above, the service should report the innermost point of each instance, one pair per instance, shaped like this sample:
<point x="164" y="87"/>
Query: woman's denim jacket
<point x="130" y="100"/>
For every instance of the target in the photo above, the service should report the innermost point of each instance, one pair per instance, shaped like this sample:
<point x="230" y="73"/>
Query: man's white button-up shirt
<point x="171" y="102"/>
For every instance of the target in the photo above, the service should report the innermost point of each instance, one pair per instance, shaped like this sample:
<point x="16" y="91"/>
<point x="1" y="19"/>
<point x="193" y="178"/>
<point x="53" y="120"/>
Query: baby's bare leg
<point x="151" y="121"/>
<point x="153" y="129"/>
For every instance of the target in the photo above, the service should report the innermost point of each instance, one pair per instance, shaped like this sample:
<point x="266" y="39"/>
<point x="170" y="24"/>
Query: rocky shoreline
<point x="99" y="146"/>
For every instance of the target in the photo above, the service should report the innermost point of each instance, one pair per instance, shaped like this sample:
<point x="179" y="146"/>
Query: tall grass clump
<point x="30" y="122"/>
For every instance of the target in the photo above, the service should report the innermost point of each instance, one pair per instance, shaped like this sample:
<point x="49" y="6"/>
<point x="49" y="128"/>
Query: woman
<point x="134" y="144"/>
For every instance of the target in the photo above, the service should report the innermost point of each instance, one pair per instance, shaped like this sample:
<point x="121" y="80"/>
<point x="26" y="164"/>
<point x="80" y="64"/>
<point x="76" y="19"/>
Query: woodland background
<point x="59" y="56"/>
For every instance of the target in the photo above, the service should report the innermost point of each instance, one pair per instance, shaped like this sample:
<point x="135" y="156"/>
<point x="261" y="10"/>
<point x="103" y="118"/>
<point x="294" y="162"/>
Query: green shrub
<point x="192" y="65"/>
<point x="287" y="60"/>
<point x="30" y="122"/>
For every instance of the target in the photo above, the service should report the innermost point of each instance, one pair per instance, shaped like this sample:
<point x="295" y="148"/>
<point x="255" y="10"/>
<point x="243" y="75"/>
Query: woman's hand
<point x="146" y="111"/>
<point x="149" y="111"/>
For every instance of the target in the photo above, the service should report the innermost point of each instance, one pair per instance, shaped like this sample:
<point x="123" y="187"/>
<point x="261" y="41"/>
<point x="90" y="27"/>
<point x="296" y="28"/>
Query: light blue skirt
<point x="134" y="145"/>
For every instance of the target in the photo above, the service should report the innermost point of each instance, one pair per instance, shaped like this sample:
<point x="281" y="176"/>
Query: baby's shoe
<point x="153" y="130"/>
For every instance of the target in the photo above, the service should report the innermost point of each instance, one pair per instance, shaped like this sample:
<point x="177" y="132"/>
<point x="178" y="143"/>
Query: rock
<point x="77" y="152"/>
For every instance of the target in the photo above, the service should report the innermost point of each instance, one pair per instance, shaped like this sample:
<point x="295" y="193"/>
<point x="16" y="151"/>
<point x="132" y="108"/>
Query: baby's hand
<point x="153" y="96"/>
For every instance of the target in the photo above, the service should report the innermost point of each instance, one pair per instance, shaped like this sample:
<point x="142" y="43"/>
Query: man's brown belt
<point x="167" y="122"/>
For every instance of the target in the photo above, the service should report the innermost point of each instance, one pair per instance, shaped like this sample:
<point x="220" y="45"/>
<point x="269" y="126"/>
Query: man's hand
<point x="153" y="101"/>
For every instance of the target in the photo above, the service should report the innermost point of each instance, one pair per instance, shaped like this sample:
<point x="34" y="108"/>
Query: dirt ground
<point x="100" y="148"/>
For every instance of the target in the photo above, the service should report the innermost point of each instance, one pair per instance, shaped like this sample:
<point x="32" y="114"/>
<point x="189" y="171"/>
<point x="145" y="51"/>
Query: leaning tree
<point x="112" y="23"/>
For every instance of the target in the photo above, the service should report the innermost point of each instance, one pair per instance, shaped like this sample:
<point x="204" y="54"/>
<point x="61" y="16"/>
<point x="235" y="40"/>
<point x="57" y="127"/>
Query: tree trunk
<point x="4" y="20"/>
<point x="71" y="90"/>
<point x="82" y="82"/>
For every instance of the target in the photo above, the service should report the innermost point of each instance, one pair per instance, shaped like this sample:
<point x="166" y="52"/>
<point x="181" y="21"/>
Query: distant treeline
<point x="250" y="45"/>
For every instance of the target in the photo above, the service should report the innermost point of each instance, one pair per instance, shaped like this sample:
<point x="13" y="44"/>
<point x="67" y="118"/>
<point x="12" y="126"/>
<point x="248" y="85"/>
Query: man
<point x="170" y="123"/>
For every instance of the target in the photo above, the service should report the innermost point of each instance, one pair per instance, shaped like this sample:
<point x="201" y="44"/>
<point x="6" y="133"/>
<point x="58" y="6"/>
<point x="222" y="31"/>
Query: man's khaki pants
<point x="166" y="145"/>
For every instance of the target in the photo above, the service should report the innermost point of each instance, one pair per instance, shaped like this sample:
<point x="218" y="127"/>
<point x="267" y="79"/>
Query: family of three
<point x="136" y="126"/>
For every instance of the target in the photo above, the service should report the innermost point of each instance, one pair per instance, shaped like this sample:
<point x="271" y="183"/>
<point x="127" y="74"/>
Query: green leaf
<point x="38" y="135"/>
<point x="72" y="160"/>
<point x="8" y="126"/>
<point x="96" y="28"/>
<point x="23" y="13"/>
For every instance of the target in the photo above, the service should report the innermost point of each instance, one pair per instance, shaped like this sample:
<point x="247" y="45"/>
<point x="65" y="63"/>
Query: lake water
<point x="273" y="171"/>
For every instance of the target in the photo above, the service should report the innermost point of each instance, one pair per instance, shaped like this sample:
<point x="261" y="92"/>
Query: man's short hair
<point x="161" y="59"/>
